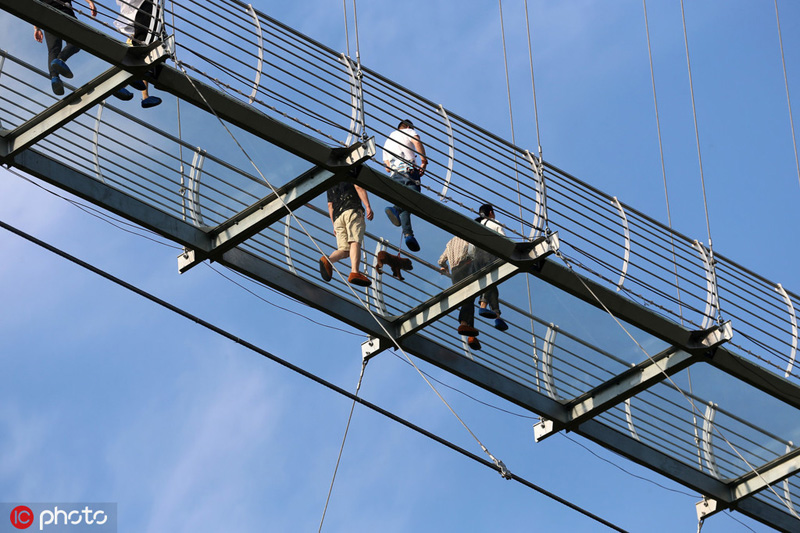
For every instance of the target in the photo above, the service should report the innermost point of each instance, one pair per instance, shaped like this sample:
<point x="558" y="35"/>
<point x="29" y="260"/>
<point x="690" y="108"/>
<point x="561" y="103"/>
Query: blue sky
<point x="110" y="398"/>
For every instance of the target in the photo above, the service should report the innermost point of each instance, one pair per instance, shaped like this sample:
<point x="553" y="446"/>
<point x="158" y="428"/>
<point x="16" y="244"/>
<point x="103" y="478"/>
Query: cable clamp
<point x="505" y="472"/>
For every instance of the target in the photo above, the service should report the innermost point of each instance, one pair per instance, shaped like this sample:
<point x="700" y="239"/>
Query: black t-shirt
<point x="343" y="196"/>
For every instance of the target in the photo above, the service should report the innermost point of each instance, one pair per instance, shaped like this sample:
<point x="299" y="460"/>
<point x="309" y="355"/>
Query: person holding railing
<point x="490" y="298"/>
<point x="399" y="156"/>
<point x="459" y="254"/>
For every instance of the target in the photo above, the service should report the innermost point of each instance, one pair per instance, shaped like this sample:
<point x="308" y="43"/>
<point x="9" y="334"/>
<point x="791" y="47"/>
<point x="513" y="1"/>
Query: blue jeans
<point x="467" y="311"/>
<point x="411" y="180"/>
<point x="54" y="46"/>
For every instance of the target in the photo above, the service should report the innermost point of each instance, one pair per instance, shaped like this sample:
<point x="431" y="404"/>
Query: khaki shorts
<point x="349" y="227"/>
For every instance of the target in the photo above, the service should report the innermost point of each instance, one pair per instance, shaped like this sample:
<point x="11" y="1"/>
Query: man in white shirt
<point x="399" y="156"/>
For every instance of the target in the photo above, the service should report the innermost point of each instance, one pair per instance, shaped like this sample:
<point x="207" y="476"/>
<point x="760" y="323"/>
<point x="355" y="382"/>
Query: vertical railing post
<point x="547" y="361"/>
<point x="627" y="234"/>
<point x="793" y="321"/>
<point x="96" y="143"/>
<point x="451" y="152"/>
<point x="287" y="243"/>
<point x="712" y="300"/>
<point x="260" y="63"/>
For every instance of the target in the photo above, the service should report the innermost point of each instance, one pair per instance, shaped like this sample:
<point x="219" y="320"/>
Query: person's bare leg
<point x="337" y="255"/>
<point x="355" y="256"/>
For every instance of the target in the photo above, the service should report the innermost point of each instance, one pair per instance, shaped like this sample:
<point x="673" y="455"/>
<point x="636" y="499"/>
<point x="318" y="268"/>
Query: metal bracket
<point x="538" y="213"/>
<point x="706" y="508"/>
<point x="711" y="337"/>
<point x="706" y="436"/>
<point x="355" y="99"/>
<point x="712" y="298"/>
<point x="537" y="249"/>
<point x="543" y="429"/>
<point x="62" y="112"/>
<point x="287" y="243"/>
<point x="353" y="155"/>
<point x="547" y="361"/>
<point x="96" y="143"/>
<point x="372" y="347"/>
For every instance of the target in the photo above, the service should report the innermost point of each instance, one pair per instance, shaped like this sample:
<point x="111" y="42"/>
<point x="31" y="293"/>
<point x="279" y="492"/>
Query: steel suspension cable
<point x="516" y="173"/>
<point x="313" y="377"/>
<point x="696" y="129"/>
<point x="344" y="439"/>
<point x="661" y="154"/>
<point x="501" y="467"/>
<point x="788" y="99"/>
<point x="346" y="29"/>
<point x="674" y="385"/>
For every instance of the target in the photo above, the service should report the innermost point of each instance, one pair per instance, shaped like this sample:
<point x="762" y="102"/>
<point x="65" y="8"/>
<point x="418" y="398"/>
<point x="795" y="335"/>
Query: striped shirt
<point x="456" y="252"/>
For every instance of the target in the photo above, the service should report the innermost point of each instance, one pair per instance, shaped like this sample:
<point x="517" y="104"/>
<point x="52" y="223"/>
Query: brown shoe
<point x="474" y="343"/>
<point x="467" y="330"/>
<point x="325" y="268"/>
<point x="357" y="278"/>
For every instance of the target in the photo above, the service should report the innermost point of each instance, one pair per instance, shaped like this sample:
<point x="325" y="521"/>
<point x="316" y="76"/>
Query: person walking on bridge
<point x="399" y="156"/>
<point x="347" y="215"/>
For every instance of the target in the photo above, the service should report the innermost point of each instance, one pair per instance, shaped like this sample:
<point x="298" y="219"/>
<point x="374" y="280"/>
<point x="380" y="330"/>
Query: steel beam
<point x="276" y="205"/>
<point x="62" y="112"/>
<point x="452" y="298"/>
<point x="620" y="388"/>
<point x="415" y="343"/>
<point x="772" y="472"/>
<point x="634" y="380"/>
<point x="768" y="514"/>
<point x="171" y="80"/>
<point x="471" y="287"/>
<point x="258" y="216"/>
<point x="51" y="171"/>
<point x="665" y="329"/>
<point x="453" y="222"/>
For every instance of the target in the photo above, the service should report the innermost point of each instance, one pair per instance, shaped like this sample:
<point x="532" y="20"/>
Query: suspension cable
<point x="696" y="129"/>
<point x="533" y="82"/>
<point x="501" y="467"/>
<point x="540" y="172"/>
<point x="346" y="29"/>
<point x="661" y="154"/>
<point x="359" y="76"/>
<point x="305" y="373"/>
<point x="788" y="99"/>
<point x="511" y="114"/>
<point x="711" y="260"/>
<point x="668" y="378"/>
<point x="344" y="438"/>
